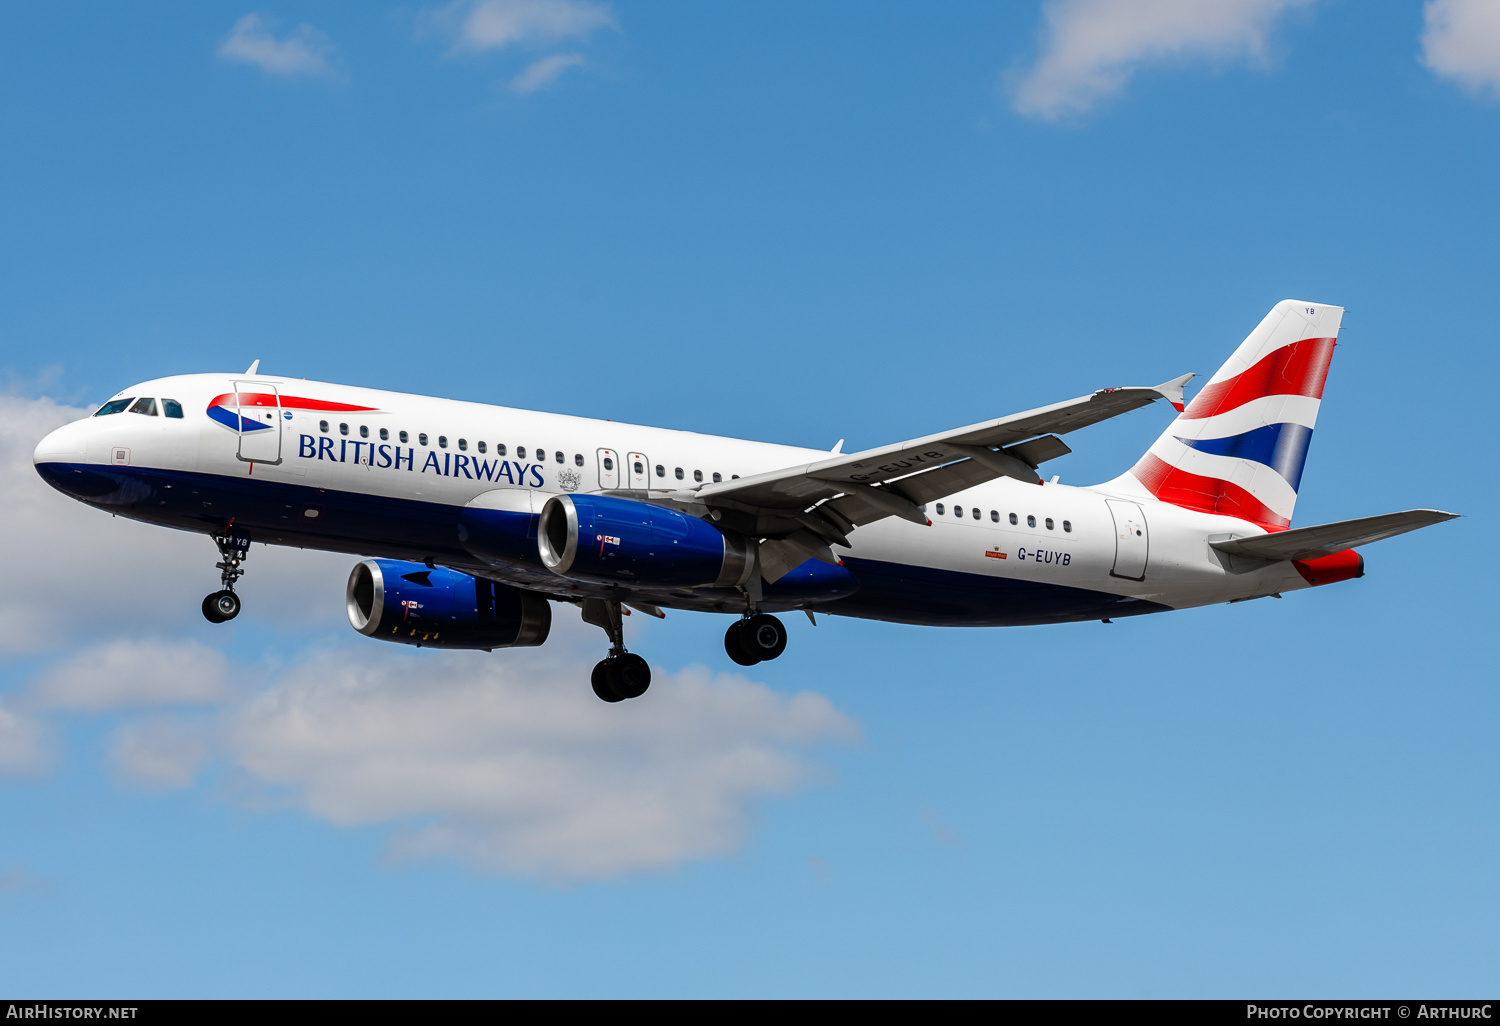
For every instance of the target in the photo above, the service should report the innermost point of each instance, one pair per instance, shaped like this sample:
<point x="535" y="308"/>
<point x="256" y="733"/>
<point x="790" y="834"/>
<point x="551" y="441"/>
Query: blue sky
<point x="793" y="223"/>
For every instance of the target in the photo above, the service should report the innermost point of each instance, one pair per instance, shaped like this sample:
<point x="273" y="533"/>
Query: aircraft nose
<point x="68" y="444"/>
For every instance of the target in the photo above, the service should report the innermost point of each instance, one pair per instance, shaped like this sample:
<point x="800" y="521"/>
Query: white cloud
<point x="505" y="762"/>
<point x="128" y="673"/>
<point x="496" y="24"/>
<point x="159" y="754"/>
<point x="24" y="748"/>
<point x="1094" y="46"/>
<point x="1461" y="41"/>
<point x="303" y="52"/>
<point x="544" y="72"/>
<point x="484" y="760"/>
<point x="73" y="571"/>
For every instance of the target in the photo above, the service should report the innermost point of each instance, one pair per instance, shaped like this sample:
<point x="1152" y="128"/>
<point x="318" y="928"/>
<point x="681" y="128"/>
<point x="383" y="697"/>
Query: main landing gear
<point x="755" y="638"/>
<point x="225" y="604"/>
<point x="622" y="674"/>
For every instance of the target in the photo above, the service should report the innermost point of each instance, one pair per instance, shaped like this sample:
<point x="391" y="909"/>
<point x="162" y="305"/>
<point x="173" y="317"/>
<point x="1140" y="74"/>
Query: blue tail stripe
<point x="1282" y="447"/>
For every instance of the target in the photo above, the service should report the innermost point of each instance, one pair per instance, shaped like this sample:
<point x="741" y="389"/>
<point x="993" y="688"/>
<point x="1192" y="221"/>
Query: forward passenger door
<point x="259" y="407"/>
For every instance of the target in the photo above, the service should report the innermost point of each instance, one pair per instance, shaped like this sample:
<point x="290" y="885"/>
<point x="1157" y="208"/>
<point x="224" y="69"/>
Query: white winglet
<point x="254" y="368"/>
<point x="1171" y="391"/>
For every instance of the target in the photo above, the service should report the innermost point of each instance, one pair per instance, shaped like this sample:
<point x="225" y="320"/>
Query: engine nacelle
<point x="600" y="538"/>
<point x="412" y="604"/>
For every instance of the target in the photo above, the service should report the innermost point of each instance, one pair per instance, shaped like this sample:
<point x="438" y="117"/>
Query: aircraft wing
<point x="896" y="480"/>
<point x="1326" y="539"/>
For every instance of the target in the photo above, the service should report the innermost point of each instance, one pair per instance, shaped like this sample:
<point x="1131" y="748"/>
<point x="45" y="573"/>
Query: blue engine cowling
<point x="413" y="604"/>
<point x="600" y="538"/>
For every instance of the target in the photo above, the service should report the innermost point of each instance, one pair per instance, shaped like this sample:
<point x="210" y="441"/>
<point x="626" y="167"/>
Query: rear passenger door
<point x="1132" y="543"/>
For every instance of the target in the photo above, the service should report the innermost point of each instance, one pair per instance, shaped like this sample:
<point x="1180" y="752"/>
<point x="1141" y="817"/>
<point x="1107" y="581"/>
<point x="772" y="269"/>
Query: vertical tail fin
<point x="1239" y="447"/>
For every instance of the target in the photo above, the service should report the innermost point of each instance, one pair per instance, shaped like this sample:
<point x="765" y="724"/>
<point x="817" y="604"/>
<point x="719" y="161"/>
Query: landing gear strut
<point x="225" y="604"/>
<point x="622" y="674"/>
<point x="755" y="638"/>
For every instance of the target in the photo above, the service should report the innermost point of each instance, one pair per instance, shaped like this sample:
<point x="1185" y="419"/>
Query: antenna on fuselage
<point x="254" y="368"/>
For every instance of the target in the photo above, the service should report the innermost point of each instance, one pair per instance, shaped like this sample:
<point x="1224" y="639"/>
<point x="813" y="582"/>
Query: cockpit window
<point x="115" y="406"/>
<point x="144" y="405"/>
<point x="172" y="408"/>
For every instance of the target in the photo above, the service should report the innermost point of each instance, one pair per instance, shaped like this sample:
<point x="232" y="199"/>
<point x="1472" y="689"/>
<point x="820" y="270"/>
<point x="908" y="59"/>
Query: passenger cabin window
<point x="1031" y="521"/>
<point x="364" y="431"/>
<point x="172" y="408"/>
<point x="442" y="441"/>
<point x="404" y="437"/>
<point x="958" y="511"/>
<point x="384" y="434"/>
<point x="114" y="406"/>
<point x="422" y="438"/>
<point x="940" y="509"/>
<point x="661" y="471"/>
<point x="1068" y="526"/>
<point x="541" y="455"/>
<point x="995" y="515"/>
<point x="480" y="446"/>
<point x="343" y="429"/>
<point x="1013" y="520"/>
<point x="976" y="512"/>
<point x="578" y="459"/>
<point x="609" y="463"/>
<point x="144" y="406"/>
<point x="717" y="477"/>
<point x="638" y="468"/>
<point x="557" y="457"/>
<point x="1049" y="523"/>
<point x="679" y="473"/>
<point x="463" y="445"/>
<point x="323" y="426"/>
<point x="698" y="476"/>
<point x="520" y="452"/>
<point x="499" y="448"/>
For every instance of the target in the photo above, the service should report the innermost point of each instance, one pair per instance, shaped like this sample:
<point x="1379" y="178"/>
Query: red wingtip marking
<point x="1178" y="407"/>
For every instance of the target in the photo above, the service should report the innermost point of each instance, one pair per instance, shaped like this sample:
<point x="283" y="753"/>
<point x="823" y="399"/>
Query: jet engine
<point x="415" y="604"/>
<point x="601" y="538"/>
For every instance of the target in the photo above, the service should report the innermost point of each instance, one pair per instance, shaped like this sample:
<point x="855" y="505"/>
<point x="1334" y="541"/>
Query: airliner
<point x="474" y="521"/>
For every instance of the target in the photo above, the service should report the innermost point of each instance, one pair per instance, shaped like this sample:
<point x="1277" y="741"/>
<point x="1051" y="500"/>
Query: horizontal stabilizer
<point x="1326" y="539"/>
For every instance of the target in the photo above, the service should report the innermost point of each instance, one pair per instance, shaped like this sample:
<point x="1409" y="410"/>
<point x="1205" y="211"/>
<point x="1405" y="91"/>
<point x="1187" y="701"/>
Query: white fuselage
<point x="344" y="479"/>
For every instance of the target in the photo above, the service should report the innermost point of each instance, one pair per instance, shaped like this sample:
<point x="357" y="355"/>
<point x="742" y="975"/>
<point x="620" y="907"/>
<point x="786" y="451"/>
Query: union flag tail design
<point x="1239" y="446"/>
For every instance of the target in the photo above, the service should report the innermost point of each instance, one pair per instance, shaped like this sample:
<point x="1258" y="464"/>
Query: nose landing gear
<point x="224" y="604"/>
<point x="755" y="639"/>
<point x="622" y="674"/>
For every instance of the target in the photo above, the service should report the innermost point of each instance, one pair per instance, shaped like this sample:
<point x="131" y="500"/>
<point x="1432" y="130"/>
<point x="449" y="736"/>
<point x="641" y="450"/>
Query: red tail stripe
<point x="1298" y="369"/>
<point x="1206" y="494"/>
<point x="286" y="402"/>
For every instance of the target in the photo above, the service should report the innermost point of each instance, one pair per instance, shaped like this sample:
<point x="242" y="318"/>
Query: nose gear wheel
<point x="224" y="604"/>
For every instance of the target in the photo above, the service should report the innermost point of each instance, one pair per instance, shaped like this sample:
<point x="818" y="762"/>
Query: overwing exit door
<point x="609" y="468"/>
<point x="640" y="471"/>
<point x="259" y="407"/>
